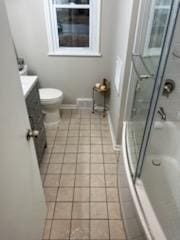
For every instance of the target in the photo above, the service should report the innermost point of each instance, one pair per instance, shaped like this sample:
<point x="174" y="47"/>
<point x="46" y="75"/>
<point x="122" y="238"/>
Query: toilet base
<point x="52" y="117"/>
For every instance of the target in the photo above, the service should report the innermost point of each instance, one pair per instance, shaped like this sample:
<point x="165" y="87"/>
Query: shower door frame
<point x="158" y="86"/>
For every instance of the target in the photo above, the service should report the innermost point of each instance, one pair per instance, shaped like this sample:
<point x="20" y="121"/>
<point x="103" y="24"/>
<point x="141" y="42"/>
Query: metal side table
<point x="104" y="93"/>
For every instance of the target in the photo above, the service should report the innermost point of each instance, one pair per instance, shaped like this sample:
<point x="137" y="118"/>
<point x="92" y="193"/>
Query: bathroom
<point x="71" y="171"/>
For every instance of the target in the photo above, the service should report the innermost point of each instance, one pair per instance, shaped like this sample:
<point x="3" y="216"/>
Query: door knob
<point x="32" y="134"/>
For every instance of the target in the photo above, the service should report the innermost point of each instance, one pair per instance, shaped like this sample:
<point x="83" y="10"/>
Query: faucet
<point x="162" y="113"/>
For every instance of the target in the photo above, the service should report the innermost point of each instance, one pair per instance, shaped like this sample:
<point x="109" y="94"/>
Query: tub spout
<point x="162" y="113"/>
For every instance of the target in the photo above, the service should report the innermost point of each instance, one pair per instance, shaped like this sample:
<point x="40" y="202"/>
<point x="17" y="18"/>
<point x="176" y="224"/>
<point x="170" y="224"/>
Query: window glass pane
<point x="72" y="1"/>
<point x="159" y="25"/>
<point x="163" y="2"/>
<point x="73" y="27"/>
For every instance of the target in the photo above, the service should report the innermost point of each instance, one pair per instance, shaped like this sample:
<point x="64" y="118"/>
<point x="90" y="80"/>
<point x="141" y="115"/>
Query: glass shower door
<point x="143" y="77"/>
<point x="161" y="166"/>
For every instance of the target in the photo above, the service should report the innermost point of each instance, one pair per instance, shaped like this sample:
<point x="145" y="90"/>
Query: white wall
<point x="124" y="32"/>
<point x="75" y="76"/>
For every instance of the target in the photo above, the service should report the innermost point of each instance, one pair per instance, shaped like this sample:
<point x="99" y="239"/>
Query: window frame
<point x="147" y="50"/>
<point x="94" y="29"/>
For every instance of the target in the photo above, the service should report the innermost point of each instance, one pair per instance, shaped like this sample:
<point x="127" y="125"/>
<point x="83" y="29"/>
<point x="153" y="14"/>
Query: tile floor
<point x="79" y="175"/>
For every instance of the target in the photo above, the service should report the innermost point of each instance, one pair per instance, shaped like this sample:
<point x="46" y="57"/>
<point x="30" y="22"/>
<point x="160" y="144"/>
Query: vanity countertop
<point x="27" y="83"/>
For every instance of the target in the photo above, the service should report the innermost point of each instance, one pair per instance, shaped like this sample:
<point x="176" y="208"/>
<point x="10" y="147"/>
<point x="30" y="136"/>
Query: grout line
<point x="73" y="194"/>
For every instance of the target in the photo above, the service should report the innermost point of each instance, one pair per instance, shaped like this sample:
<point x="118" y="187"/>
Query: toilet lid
<point x="50" y="94"/>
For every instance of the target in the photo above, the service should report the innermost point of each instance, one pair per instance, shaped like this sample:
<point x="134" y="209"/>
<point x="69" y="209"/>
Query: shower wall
<point x="171" y="104"/>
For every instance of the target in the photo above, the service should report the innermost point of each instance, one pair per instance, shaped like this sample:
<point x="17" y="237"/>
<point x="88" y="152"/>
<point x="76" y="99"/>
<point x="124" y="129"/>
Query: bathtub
<point x="159" y="181"/>
<point x="161" y="176"/>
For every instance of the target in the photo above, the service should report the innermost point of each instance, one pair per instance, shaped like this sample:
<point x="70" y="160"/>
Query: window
<point x="73" y="27"/>
<point x="157" y="26"/>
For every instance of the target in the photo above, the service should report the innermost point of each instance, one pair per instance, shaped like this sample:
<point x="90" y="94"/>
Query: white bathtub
<point x="159" y="184"/>
<point x="162" y="183"/>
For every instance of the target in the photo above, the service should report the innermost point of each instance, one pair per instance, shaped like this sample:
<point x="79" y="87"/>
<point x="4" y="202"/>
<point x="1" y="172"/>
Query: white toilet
<point x="51" y="100"/>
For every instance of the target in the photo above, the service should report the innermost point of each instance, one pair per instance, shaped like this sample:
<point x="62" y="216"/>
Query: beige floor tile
<point x="68" y="168"/>
<point x="85" y="127"/>
<point x="65" y="194"/>
<point x="106" y="133"/>
<point x="50" y="194"/>
<point x="95" y="127"/>
<point x="98" y="210"/>
<point x="97" y="181"/>
<point x="99" y="230"/>
<point x="85" y="133"/>
<point x="96" y="148"/>
<point x="60" y="229"/>
<point x="116" y="230"/>
<point x="82" y="168"/>
<point x="96" y="158"/>
<point x="51" y="180"/>
<point x="70" y="157"/>
<point x="97" y="168"/>
<point x="80" y="210"/>
<point x="57" y="158"/>
<point x="108" y="149"/>
<point x="111" y="180"/>
<point x="62" y="133"/>
<point x="110" y="168"/>
<point x="74" y="127"/>
<point x="98" y="195"/>
<point x="82" y="181"/>
<point x="54" y="168"/>
<point x="110" y="158"/>
<point x="73" y="133"/>
<point x="74" y="122"/>
<point x="112" y="195"/>
<point x="83" y="158"/>
<point x="81" y="194"/>
<point x="50" y="210"/>
<point x="96" y="140"/>
<point x="75" y="116"/>
<point x="47" y="229"/>
<point x="67" y="180"/>
<point x="59" y="148"/>
<point x="84" y="149"/>
<point x="107" y="140"/>
<point x="90" y="155"/>
<point x="114" y="210"/>
<point x="72" y="140"/>
<point x="79" y="230"/>
<point x="84" y="140"/>
<point x="59" y="140"/>
<point x="51" y="132"/>
<point x="95" y="133"/>
<point x="63" y="210"/>
<point x="50" y="139"/>
<point x="71" y="148"/>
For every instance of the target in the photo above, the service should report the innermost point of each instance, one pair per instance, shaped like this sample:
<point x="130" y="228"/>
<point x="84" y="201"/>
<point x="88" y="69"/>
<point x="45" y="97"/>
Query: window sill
<point x="75" y="54"/>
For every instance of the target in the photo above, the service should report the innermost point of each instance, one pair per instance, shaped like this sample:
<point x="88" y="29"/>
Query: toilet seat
<point x="50" y="95"/>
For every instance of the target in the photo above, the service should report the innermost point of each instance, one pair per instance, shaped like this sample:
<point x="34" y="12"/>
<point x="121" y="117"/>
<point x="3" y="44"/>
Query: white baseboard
<point x="117" y="147"/>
